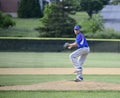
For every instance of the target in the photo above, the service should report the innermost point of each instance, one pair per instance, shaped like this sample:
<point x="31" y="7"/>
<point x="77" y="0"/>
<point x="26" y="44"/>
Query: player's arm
<point x="72" y="45"/>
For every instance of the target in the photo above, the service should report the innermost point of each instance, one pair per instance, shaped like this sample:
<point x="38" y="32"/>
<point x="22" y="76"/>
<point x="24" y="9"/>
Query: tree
<point x="93" y="25"/>
<point x="115" y="2"/>
<point x="6" y="21"/>
<point x="29" y="9"/>
<point x="56" y="23"/>
<point x="92" y="6"/>
<point x="69" y="6"/>
<point x="105" y="2"/>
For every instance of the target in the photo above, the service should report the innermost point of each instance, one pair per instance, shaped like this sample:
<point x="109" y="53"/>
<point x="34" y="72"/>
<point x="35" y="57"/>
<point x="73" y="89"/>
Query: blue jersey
<point x="81" y="40"/>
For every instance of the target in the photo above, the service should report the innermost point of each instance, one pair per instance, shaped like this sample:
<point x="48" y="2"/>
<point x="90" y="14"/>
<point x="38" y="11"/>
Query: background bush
<point x="6" y="21"/>
<point x="92" y="25"/>
<point x="107" y="34"/>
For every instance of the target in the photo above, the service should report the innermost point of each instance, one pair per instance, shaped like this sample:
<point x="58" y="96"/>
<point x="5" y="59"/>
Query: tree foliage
<point x="56" y="22"/>
<point x="93" y="25"/>
<point x="92" y="6"/>
<point x="6" y="21"/>
<point x="115" y="2"/>
<point x="29" y="9"/>
<point x="69" y="6"/>
<point x="105" y="2"/>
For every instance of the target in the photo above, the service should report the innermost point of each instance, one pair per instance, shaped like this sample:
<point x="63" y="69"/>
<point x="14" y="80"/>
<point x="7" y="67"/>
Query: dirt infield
<point x="58" y="71"/>
<point x="64" y="84"/>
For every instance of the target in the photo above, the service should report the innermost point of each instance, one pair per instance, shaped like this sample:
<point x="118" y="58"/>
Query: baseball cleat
<point x="78" y="80"/>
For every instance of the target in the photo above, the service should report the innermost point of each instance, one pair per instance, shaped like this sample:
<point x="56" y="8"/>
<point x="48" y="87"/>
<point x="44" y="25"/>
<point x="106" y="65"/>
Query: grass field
<point x="55" y="59"/>
<point x="26" y="28"/>
<point x="59" y="94"/>
<point x="33" y="79"/>
<point x="23" y="28"/>
<point x="44" y="60"/>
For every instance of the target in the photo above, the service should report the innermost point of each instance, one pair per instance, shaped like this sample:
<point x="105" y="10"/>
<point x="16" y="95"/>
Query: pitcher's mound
<point x="66" y="85"/>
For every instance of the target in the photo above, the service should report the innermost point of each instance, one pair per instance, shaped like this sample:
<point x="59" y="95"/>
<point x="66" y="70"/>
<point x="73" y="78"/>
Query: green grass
<point x="23" y="28"/>
<point x="33" y="79"/>
<point x="33" y="59"/>
<point x="103" y="60"/>
<point x="59" y="94"/>
<point x="27" y="23"/>
<point x="55" y="59"/>
<point x="16" y="32"/>
<point x="80" y="16"/>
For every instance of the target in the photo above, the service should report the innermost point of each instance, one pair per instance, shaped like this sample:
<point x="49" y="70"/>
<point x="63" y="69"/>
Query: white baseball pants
<point x="78" y="57"/>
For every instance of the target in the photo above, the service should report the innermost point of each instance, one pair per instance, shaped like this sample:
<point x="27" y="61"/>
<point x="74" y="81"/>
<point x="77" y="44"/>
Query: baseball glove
<point x="66" y="45"/>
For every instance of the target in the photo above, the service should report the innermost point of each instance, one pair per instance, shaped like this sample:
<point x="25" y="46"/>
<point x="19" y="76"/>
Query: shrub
<point x="6" y="21"/>
<point x="105" y="34"/>
<point x="92" y="25"/>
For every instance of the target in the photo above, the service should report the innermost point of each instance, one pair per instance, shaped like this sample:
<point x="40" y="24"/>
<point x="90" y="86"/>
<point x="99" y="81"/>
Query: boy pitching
<point x="78" y="57"/>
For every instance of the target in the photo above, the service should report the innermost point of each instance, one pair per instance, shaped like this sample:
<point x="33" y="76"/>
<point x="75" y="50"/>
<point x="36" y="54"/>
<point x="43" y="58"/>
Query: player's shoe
<point x="79" y="79"/>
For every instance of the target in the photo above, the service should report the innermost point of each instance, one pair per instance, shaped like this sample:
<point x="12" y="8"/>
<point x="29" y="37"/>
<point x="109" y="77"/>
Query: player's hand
<point x="69" y="47"/>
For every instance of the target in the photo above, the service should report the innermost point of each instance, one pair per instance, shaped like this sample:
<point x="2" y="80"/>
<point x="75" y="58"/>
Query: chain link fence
<point x="55" y="45"/>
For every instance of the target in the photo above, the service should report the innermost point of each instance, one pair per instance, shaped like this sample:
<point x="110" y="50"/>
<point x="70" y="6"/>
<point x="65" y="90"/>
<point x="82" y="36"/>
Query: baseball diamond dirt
<point x="58" y="71"/>
<point x="63" y="84"/>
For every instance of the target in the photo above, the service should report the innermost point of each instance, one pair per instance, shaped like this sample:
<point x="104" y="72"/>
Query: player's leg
<point x="81" y="60"/>
<point x="74" y="58"/>
<point x="84" y="54"/>
<point x="79" y="72"/>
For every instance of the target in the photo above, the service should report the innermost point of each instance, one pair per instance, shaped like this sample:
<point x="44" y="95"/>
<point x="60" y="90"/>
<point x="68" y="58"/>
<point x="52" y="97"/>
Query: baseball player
<point x="78" y="57"/>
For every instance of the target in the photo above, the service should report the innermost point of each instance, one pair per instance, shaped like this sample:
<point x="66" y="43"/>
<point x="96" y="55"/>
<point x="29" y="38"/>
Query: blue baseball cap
<point x="76" y="27"/>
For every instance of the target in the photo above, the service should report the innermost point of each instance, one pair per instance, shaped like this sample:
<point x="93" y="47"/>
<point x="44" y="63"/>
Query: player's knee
<point x="71" y="56"/>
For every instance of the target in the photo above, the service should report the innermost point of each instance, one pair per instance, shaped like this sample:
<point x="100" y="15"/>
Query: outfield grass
<point x="41" y="59"/>
<point x="33" y="79"/>
<point x="55" y="60"/>
<point x="59" y="94"/>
